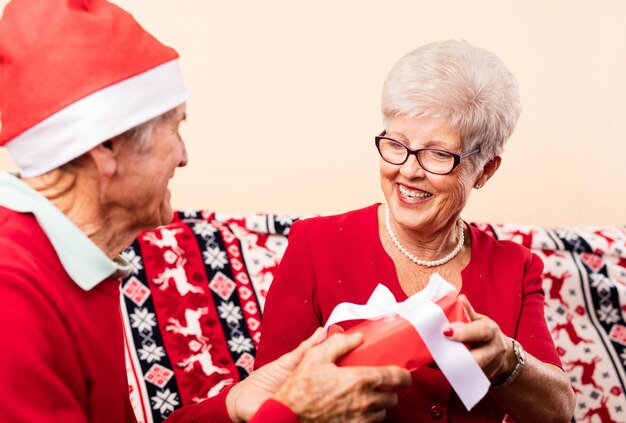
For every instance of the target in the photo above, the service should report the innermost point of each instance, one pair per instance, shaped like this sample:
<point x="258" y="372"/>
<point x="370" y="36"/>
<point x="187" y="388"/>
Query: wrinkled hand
<point x="245" y="398"/>
<point x="319" y="391"/>
<point x="492" y="349"/>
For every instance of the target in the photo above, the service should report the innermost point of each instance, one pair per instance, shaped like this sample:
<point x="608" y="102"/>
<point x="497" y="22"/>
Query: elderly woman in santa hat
<point x="91" y="106"/>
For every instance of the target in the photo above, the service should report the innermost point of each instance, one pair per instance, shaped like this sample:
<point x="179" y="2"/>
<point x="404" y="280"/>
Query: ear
<point x="488" y="170"/>
<point x="104" y="158"/>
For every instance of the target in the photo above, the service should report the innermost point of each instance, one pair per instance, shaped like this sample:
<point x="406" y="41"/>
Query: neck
<point x="436" y="249"/>
<point x="77" y="196"/>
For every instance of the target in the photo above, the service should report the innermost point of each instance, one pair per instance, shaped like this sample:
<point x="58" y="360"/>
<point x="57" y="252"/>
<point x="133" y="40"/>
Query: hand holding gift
<point x="409" y="334"/>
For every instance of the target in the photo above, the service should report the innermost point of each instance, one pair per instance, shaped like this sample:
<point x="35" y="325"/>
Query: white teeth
<point x="407" y="193"/>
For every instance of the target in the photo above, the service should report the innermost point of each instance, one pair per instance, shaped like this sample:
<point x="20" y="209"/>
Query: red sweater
<point x="62" y="358"/>
<point x="213" y="410"/>
<point x="334" y="259"/>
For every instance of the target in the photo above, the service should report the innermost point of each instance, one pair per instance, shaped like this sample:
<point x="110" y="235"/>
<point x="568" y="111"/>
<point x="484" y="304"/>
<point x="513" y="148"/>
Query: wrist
<point x="282" y="397"/>
<point x="508" y="363"/>
<point x="515" y="363"/>
<point x="231" y="403"/>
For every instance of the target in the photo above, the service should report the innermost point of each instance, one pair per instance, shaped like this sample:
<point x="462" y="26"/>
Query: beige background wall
<point x="285" y="101"/>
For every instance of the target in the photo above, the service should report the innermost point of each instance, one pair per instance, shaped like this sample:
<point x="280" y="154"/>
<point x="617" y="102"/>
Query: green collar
<point x="83" y="261"/>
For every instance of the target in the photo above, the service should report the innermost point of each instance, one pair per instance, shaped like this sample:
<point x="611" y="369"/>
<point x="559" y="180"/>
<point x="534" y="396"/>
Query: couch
<point x="193" y="306"/>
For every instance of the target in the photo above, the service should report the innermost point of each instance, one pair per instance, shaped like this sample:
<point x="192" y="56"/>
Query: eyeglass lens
<point x="431" y="160"/>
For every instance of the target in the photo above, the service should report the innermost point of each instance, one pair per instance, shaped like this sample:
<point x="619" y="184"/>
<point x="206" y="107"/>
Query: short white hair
<point x="467" y="85"/>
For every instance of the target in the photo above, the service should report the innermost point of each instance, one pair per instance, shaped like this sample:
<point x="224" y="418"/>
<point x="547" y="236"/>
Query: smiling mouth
<point x="408" y="194"/>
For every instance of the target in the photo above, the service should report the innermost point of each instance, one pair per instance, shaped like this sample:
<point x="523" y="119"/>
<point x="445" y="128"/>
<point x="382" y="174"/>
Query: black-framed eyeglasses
<point x="432" y="160"/>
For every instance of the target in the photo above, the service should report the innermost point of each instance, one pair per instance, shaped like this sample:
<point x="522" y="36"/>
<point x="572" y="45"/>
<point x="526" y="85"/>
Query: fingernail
<point x="448" y="332"/>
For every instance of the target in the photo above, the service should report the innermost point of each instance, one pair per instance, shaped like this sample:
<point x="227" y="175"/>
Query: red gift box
<point x="409" y="334"/>
<point x="392" y="340"/>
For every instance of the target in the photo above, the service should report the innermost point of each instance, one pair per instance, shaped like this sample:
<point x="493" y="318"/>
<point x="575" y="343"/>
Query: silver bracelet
<point x="520" y="356"/>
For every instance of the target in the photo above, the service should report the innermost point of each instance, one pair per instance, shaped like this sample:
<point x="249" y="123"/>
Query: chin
<point x="157" y="217"/>
<point x="411" y="215"/>
<point x="166" y="215"/>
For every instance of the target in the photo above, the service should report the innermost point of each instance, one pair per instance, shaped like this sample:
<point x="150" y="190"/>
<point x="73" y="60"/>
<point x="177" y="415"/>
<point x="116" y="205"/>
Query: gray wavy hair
<point x="468" y="85"/>
<point x="142" y="133"/>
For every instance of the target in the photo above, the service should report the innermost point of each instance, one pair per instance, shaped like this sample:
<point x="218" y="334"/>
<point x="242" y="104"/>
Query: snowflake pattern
<point x="190" y="213"/>
<point x="608" y="314"/>
<point x="215" y="258"/>
<point x="230" y="312"/>
<point x="239" y="344"/>
<point x="204" y="229"/>
<point x="131" y="256"/>
<point x="568" y="234"/>
<point x="165" y="401"/>
<point x="284" y="219"/>
<point x="601" y="283"/>
<point x="143" y="320"/>
<point x="565" y="249"/>
<point x="151" y="352"/>
<point x="573" y="238"/>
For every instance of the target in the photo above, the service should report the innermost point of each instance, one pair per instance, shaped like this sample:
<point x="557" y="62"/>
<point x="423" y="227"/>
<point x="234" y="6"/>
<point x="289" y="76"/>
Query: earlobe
<point x="488" y="170"/>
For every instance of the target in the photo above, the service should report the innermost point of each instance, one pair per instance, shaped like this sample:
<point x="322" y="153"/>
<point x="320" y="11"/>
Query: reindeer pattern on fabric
<point x="193" y="307"/>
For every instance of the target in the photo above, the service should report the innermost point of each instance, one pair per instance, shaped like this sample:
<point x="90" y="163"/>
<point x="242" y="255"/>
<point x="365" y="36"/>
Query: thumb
<point x="309" y="342"/>
<point x="334" y="347"/>
<point x="293" y="358"/>
<point x="335" y="329"/>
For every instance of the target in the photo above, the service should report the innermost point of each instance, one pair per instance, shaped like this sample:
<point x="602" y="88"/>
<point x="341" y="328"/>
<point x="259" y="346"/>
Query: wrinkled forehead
<point x="424" y="131"/>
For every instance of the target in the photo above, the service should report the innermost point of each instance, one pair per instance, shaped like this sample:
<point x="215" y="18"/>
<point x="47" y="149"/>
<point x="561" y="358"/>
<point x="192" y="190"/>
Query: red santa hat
<point x="75" y="73"/>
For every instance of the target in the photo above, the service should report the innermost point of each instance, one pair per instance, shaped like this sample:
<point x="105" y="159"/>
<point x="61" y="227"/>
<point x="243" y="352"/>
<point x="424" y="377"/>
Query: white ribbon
<point x="453" y="358"/>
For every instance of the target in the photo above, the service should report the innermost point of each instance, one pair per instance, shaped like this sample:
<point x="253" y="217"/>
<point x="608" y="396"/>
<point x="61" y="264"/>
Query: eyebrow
<point x="431" y="143"/>
<point x="393" y="134"/>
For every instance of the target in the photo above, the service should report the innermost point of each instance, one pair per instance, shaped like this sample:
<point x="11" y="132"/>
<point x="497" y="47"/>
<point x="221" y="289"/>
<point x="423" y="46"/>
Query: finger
<point x="395" y="376"/>
<point x="334" y="347"/>
<point x="367" y="406"/>
<point x="375" y="400"/>
<point x="483" y="330"/>
<point x="360" y="416"/>
<point x="381" y="377"/>
<point x="483" y="355"/>
<point x="375" y="416"/>
<point x="310" y="341"/>
<point x="382" y="400"/>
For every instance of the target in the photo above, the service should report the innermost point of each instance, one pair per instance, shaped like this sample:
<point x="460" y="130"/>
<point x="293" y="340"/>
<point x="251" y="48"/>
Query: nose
<point x="411" y="168"/>
<point x="184" y="159"/>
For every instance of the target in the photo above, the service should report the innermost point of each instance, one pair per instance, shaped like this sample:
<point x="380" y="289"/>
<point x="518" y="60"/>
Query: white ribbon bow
<point x="453" y="358"/>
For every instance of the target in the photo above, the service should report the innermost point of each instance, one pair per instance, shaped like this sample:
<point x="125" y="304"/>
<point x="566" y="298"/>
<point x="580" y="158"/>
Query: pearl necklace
<point x="417" y="260"/>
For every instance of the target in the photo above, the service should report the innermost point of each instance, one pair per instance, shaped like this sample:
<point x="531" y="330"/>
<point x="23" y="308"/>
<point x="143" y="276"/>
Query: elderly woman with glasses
<point x="448" y="109"/>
